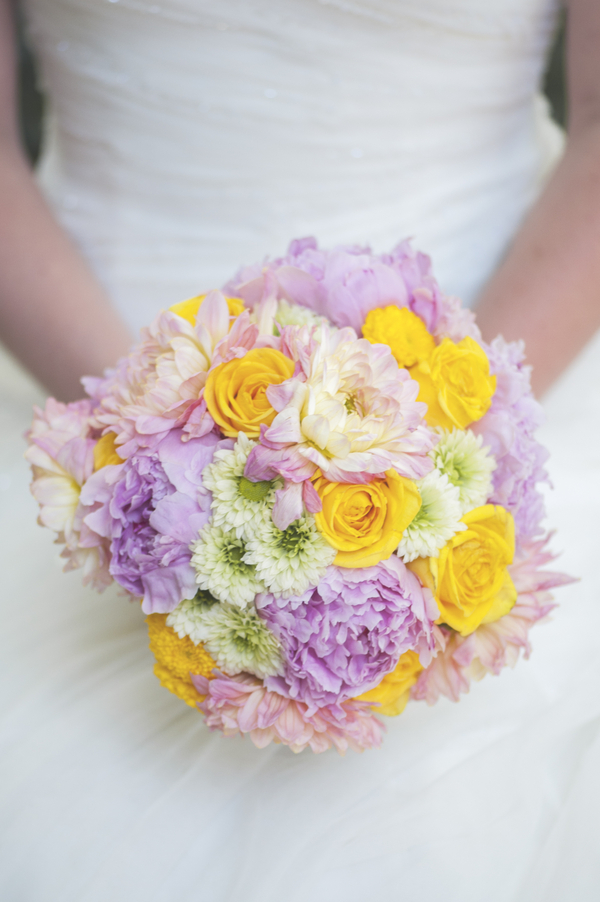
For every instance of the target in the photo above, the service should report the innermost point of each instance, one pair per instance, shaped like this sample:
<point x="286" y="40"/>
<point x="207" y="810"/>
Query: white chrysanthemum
<point x="237" y="502"/>
<point x="437" y="520"/>
<point x="467" y="465"/>
<point x="289" y="561"/>
<point x="289" y="314"/>
<point x="188" y="617"/>
<point x="219" y="561"/>
<point x="238" y="640"/>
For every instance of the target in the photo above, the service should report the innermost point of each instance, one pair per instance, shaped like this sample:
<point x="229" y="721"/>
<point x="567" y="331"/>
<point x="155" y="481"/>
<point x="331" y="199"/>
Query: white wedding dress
<point x="187" y="137"/>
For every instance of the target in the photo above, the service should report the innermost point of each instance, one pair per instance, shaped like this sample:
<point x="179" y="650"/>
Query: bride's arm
<point x="547" y="290"/>
<point x="53" y="314"/>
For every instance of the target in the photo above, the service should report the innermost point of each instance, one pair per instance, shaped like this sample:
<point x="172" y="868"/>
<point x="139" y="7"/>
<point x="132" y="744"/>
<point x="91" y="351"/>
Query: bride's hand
<point x="54" y="315"/>
<point x="547" y="290"/>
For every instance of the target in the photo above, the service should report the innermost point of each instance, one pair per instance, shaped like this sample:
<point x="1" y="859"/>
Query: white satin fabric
<point x="186" y="138"/>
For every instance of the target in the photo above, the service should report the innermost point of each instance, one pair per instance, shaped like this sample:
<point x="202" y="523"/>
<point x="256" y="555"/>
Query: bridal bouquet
<point x="323" y="487"/>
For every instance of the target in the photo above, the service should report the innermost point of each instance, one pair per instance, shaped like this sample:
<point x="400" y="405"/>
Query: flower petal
<point x="316" y="430"/>
<point x="214" y="316"/>
<point x="288" y="505"/>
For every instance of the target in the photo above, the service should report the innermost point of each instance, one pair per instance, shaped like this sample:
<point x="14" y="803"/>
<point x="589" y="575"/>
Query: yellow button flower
<point x="105" y="451"/>
<point x="393" y="692"/>
<point x="236" y="391"/>
<point x="188" y="310"/>
<point x="455" y="383"/>
<point x="365" y="522"/>
<point x="470" y="579"/>
<point x="176" y="658"/>
<point x="403" y="331"/>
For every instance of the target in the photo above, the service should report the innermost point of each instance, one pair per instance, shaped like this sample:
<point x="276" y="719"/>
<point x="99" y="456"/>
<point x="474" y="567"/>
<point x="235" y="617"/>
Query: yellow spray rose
<point x="394" y="690"/>
<point x="455" y="383"/>
<point x="402" y="331"/>
<point x="105" y="452"/>
<point x="236" y="391"/>
<point x="470" y="579"/>
<point x="365" y="522"/>
<point x="189" y="309"/>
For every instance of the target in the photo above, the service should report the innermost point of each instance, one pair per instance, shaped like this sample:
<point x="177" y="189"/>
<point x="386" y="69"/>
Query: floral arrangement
<point x="324" y="488"/>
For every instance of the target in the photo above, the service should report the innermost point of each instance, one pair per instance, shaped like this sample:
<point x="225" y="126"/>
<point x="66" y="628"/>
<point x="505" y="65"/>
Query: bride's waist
<point x="222" y="177"/>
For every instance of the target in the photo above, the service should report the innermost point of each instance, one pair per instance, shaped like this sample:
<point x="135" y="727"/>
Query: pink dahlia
<point x="159" y="386"/>
<point x="349" y="411"/>
<point x="242" y="704"/>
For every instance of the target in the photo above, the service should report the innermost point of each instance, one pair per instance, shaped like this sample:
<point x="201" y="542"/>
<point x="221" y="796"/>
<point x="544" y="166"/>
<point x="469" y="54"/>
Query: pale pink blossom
<point x="241" y="704"/>
<point x="349" y="411"/>
<point x="159" y="387"/>
<point x="62" y="457"/>
<point x="61" y="454"/>
<point x="455" y="321"/>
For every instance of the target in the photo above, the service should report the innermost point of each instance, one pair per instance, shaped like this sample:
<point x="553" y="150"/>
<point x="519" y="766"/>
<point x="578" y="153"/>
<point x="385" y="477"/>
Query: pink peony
<point x="345" y="283"/>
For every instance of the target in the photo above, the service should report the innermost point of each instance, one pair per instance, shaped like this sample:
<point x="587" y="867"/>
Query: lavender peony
<point x="345" y="283"/>
<point x="152" y="508"/>
<point x="341" y="638"/>
<point x="509" y="429"/>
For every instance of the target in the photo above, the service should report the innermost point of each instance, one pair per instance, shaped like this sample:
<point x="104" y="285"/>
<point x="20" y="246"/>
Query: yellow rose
<point x="105" y="452"/>
<point x="365" y="522"/>
<point x="236" y="391"/>
<point x="470" y="579"/>
<point x="402" y="331"/>
<point x="394" y="690"/>
<point x="189" y="309"/>
<point x="455" y="383"/>
<point x="176" y="659"/>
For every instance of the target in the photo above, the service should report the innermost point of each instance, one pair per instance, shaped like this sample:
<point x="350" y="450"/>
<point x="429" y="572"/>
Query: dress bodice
<point x="187" y="137"/>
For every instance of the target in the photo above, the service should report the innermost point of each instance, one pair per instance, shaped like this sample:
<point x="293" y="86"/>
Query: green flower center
<point x="254" y="491"/>
<point x="232" y="553"/>
<point x="421" y="519"/>
<point x="354" y="405"/>
<point x="203" y="599"/>
<point x="451" y="466"/>
<point x="294" y="539"/>
<point x="245" y="634"/>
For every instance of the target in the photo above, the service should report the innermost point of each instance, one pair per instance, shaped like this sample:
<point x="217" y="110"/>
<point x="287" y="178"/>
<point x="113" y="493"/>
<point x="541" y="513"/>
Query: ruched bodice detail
<point x="188" y="137"/>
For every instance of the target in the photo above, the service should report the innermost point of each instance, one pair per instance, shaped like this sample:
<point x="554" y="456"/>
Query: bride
<point x="187" y="137"/>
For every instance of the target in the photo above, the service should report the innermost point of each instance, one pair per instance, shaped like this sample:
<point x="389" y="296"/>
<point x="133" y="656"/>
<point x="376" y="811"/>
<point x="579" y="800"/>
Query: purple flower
<point x="344" y="284"/>
<point x="341" y="638"/>
<point x="508" y="428"/>
<point x="151" y="508"/>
